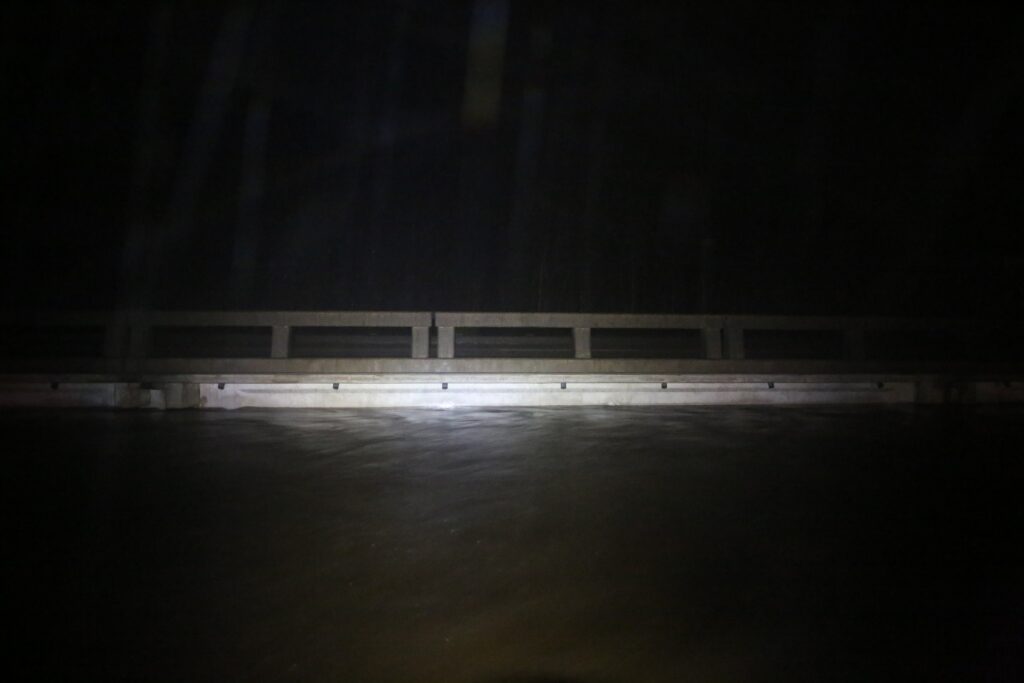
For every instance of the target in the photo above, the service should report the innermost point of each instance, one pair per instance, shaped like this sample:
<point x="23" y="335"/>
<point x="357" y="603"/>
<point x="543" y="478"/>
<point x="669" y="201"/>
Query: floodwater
<point x="516" y="545"/>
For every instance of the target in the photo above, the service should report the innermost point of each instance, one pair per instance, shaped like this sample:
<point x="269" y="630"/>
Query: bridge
<point x="231" y="359"/>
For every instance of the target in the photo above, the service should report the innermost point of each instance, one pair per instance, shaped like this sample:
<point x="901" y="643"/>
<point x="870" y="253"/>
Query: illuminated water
<point x="598" y="544"/>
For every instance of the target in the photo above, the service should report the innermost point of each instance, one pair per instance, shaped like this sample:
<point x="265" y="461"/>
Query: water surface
<point x="562" y="544"/>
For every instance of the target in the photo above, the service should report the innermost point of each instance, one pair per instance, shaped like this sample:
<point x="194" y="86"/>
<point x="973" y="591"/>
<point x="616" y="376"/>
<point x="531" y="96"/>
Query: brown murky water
<point x="597" y="544"/>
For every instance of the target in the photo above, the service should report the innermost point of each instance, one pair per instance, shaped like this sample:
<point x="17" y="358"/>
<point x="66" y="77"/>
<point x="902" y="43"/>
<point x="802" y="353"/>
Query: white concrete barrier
<point x="508" y="390"/>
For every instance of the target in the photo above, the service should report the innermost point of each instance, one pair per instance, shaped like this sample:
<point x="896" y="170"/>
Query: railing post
<point x="581" y="341"/>
<point x="446" y="342"/>
<point x="420" y="342"/>
<point x="279" y="341"/>
<point x="734" y="342"/>
<point x="712" y="342"/>
<point x="855" y="343"/>
<point x="115" y="337"/>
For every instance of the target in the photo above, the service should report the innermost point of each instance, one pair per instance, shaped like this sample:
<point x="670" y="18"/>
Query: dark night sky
<point x="492" y="155"/>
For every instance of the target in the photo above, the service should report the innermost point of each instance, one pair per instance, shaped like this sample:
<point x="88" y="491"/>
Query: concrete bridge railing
<point x="131" y="334"/>
<point x="129" y="337"/>
<point x="722" y="336"/>
<point x="301" y="358"/>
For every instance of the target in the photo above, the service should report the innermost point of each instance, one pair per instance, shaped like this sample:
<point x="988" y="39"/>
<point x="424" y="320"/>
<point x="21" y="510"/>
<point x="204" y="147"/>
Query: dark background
<point x="493" y="155"/>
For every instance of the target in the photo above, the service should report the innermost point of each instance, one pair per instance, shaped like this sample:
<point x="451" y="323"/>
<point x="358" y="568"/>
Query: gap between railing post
<point x="140" y="334"/>
<point x="420" y="342"/>
<point x="115" y="336"/>
<point x="280" y="340"/>
<point x="855" y="343"/>
<point x="712" y="342"/>
<point x="734" y="343"/>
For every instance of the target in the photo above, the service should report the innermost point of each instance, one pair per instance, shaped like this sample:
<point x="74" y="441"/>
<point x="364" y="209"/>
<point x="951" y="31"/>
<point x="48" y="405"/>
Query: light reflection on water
<point x="580" y="544"/>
